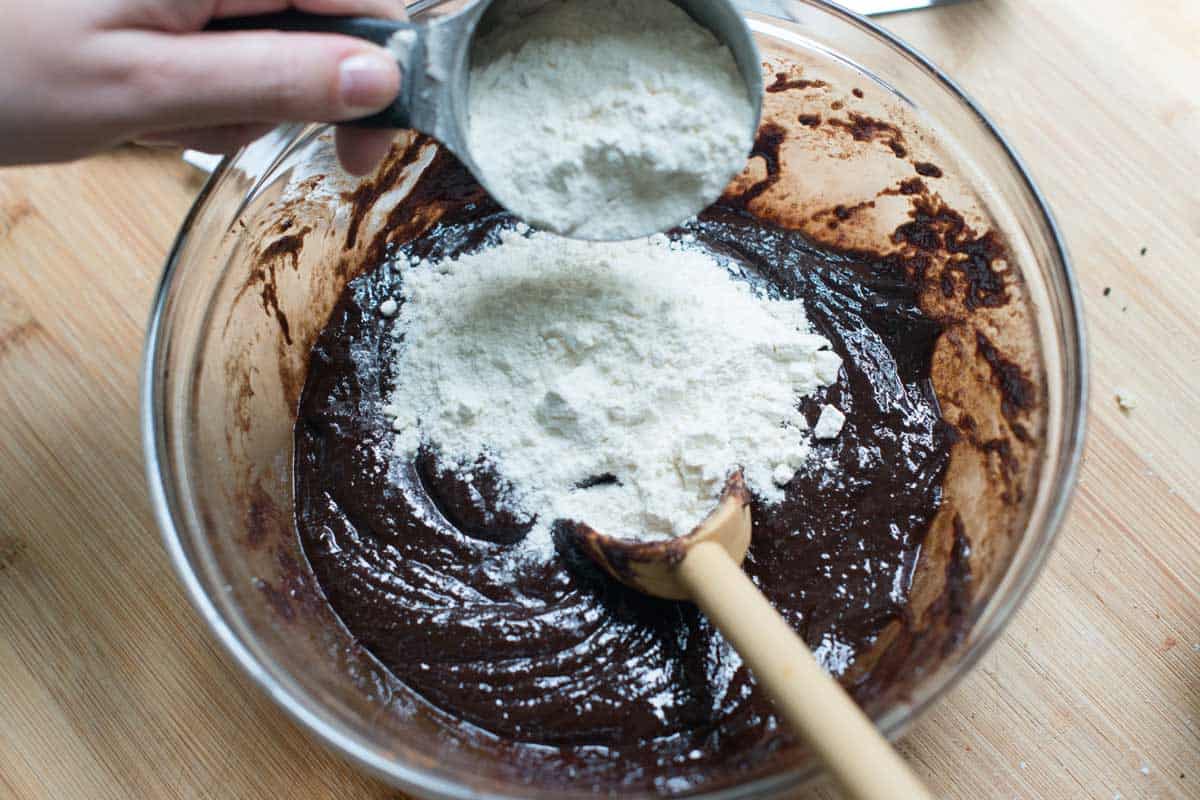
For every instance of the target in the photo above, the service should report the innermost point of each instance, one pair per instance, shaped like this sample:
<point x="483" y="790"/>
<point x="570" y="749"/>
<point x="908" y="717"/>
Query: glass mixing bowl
<point x="276" y="234"/>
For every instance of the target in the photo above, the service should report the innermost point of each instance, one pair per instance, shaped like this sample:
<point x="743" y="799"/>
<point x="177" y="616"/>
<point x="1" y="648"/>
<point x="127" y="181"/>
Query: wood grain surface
<point x="110" y="687"/>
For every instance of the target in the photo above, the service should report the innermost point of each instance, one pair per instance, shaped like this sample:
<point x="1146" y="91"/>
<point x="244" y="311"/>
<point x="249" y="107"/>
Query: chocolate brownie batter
<point x="576" y="678"/>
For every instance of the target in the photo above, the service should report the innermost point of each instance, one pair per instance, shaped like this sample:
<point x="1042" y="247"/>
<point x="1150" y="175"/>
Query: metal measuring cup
<point x="435" y="60"/>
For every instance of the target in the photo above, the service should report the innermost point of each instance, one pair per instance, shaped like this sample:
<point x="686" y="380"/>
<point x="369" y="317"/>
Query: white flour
<point x="561" y="361"/>
<point x="829" y="424"/>
<point x="607" y="119"/>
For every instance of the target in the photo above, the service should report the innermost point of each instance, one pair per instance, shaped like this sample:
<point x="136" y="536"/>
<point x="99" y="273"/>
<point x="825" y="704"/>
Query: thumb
<point x="208" y="79"/>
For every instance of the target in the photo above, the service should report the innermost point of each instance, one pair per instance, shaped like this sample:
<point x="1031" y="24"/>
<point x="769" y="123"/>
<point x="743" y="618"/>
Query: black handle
<point x="372" y="29"/>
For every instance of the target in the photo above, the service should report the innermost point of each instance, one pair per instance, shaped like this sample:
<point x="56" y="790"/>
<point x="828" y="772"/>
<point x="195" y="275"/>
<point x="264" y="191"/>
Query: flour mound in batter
<point x="612" y="383"/>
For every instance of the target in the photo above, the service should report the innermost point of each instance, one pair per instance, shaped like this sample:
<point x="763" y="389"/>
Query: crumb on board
<point x="1126" y="400"/>
<point x="1107" y="291"/>
<point x="1142" y="252"/>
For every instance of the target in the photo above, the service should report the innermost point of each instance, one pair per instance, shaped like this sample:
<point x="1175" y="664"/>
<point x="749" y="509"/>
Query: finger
<point x="388" y="9"/>
<point x="361" y="149"/>
<point x="210" y="79"/>
<point x="246" y="8"/>
<point x="224" y="139"/>
<point x="181" y="16"/>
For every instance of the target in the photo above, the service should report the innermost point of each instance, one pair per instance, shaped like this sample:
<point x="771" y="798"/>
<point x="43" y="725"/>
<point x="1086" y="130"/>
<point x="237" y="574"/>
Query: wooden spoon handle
<point x="860" y="759"/>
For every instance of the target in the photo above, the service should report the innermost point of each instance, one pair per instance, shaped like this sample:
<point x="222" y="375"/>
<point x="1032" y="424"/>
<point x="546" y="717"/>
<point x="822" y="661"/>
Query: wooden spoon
<point x="705" y="567"/>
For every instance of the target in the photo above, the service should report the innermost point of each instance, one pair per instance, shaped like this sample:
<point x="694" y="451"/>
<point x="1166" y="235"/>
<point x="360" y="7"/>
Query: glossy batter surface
<point x="581" y="680"/>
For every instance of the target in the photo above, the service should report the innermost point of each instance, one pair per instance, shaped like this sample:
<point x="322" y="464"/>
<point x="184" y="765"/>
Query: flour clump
<point x="606" y="119"/>
<point x="613" y="383"/>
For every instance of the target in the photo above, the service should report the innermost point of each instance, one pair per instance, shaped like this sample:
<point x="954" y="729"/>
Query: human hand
<point x="80" y="76"/>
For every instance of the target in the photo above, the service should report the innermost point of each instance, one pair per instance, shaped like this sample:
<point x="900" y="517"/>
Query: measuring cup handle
<point x="406" y="47"/>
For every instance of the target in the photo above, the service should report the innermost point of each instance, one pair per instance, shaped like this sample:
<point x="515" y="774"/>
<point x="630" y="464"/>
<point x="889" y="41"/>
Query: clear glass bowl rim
<point x="996" y="615"/>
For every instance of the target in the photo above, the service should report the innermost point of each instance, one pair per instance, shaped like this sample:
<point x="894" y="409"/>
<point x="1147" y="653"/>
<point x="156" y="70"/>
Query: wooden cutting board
<point x="110" y="687"/>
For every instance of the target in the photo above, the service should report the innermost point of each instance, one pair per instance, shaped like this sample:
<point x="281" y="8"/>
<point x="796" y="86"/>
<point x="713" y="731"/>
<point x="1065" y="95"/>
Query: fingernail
<point x="368" y="81"/>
